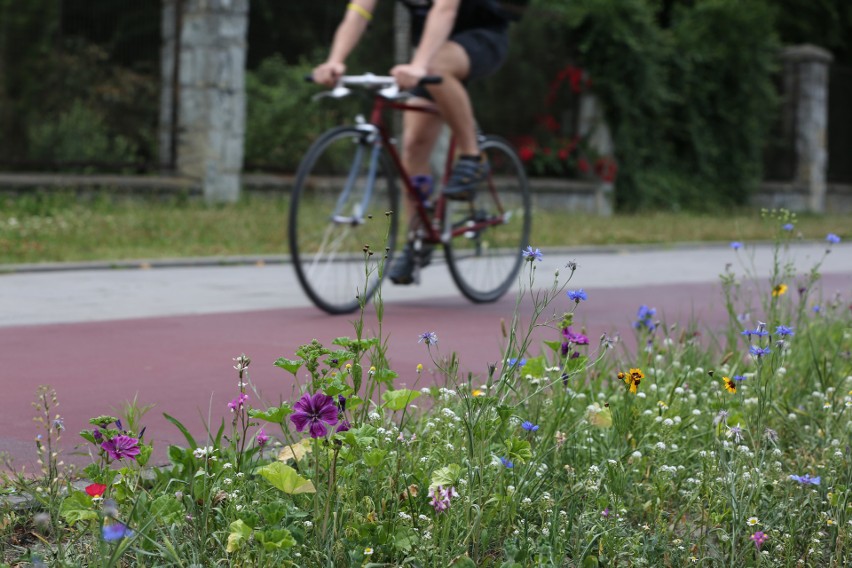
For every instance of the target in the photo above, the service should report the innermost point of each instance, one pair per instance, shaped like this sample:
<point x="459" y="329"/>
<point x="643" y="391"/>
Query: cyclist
<point x="458" y="40"/>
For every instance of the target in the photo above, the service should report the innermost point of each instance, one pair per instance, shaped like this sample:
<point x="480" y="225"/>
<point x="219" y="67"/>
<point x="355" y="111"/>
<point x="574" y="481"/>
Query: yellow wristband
<point x="359" y="10"/>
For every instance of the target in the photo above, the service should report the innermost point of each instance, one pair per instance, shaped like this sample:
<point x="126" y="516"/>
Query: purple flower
<point x="736" y="245"/>
<point x="441" y="498"/>
<point x="832" y="239"/>
<point x="605" y="513"/>
<point x="577" y="295"/>
<point x="261" y="438"/>
<point x="97" y="435"/>
<point x="759" y="538"/>
<point x="644" y="318"/>
<point x="788" y="227"/>
<point x="115" y="531"/>
<point x="806" y="479"/>
<point x="344" y="426"/>
<point x="529" y="426"/>
<point x="507" y="463"/>
<point x="784" y="331"/>
<point x="428" y="337"/>
<point x="315" y="411"/>
<point x="577" y="338"/>
<point x="530" y="255"/>
<point x="238" y="402"/>
<point x="122" y="447"/>
<point x="758" y="351"/>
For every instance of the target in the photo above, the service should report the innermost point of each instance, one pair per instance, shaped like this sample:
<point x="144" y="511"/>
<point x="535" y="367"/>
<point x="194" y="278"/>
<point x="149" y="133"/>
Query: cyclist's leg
<point x="468" y="55"/>
<point x="420" y="132"/>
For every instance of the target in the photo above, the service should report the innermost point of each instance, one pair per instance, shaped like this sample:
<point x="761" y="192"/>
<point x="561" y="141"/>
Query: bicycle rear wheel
<point x="485" y="258"/>
<point x="344" y="187"/>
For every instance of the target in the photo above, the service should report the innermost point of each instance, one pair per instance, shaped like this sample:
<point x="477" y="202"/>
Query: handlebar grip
<point x="431" y="80"/>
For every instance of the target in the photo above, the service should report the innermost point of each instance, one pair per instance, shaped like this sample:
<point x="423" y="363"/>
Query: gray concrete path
<point x="100" y="294"/>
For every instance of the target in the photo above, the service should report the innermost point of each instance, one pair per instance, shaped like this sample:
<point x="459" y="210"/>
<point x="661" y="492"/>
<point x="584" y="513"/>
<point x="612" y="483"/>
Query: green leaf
<point x="399" y="399"/>
<point x="239" y="532"/>
<point x="385" y="376"/>
<point x="291" y="365"/>
<point x="275" y="414"/>
<point x="189" y="439"/>
<point x="518" y="451"/>
<point x="167" y="510"/>
<point x="177" y="455"/>
<point x="285" y="478"/>
<point x="275" y="539"/>
<point x="447" y="476"/>
<point x="77" y="507"/>
<point x="555" y="345"/>
<point x="272" y="513"/>
<point x="89" y="436"/>
<point x="375" y="457"/>
<point x="463" y="562"/>
<point x="535" y="366"/>
<point x="144" y="454"/>
<point x="362" y="436"/>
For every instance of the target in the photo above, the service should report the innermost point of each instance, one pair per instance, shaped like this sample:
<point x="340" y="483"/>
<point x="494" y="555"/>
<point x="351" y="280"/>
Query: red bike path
<point x="183" y="364"/>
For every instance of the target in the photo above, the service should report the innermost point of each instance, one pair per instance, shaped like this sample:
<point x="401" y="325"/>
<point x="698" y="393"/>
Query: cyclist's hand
<point x="328" y="73"/>
<point x="407" y="76"/>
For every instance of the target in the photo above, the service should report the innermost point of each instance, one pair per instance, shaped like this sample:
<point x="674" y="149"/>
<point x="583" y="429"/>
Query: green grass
<point x="60" y="226"/>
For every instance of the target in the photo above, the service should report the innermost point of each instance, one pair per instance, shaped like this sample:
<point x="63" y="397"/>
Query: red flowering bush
<point x="550" y="151"/>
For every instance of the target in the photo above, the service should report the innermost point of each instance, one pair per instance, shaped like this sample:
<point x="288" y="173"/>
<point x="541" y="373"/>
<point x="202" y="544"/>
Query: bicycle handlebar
<point x="370" y="81"/>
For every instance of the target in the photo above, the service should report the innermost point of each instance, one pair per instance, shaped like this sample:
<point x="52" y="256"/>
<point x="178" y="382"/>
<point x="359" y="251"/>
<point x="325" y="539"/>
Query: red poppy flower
<point x="583" y="165"/>
<point x="96" y="489"/>
<point x="526" y="153"/>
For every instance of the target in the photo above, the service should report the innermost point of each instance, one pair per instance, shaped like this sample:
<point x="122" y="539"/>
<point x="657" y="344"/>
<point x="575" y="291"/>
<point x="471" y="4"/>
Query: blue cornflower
<point x="736" y="245"/>
<point x="788" y="227"/>
<point x="806" y="479"/>
<point x="758" y="351"/>
<point x="832" y="239"/>
<point x="115" y="531"/>
<point x="428" y="337"/>
<point x="529" y="426"/>
<point x="507" y="463"/>
<point x="577" y="295"/>
<point x="784" y="331"/>
<point x="531" y="255"/>
<point x="757" y="332"/>
<point x="644" y="318"/>
<point x="739" y="378"/>
<point x="519" y="362"/>
<point x="816" y="309"/>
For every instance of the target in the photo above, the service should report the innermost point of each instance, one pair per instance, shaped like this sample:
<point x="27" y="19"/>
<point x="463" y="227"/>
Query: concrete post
<point x="210" y="98"/>
<point x="806" y="79"/>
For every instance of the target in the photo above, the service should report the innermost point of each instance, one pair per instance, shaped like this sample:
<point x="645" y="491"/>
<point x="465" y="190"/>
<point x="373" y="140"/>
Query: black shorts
<point x="485" y="47"/>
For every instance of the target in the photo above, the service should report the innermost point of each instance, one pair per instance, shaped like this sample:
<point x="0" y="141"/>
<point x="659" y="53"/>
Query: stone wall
<point x="205" y="93"/>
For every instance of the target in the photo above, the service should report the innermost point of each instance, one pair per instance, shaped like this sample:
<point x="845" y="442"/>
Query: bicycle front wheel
<point x="344" y="188"/>
<point x="484" y="253"/>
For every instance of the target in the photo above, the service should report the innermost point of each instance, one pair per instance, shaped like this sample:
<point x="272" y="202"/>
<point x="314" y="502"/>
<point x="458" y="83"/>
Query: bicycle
<point x="346" y="186"/>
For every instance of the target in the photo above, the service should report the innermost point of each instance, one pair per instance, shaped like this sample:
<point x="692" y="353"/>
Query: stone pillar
<point x="210" y="98"/>
<point x="806" y="82"/>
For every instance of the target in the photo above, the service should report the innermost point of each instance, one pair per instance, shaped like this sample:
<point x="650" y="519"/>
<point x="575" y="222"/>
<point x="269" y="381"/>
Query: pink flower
<point x="122" y="447"/>
<point x="261" y="438"/>
<point x="238" y="402"/>
<point x="315" y="411"/>
<point x="759" y="538"/>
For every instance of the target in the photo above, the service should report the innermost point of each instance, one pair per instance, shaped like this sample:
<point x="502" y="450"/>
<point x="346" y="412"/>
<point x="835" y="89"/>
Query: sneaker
<point x="402" y="269"/>
<point x="466" y="176"/>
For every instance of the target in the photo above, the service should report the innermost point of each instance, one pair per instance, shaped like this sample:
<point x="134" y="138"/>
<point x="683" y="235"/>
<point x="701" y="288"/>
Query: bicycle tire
<point x="484" y="262"/>
<point x="332" y="220"/>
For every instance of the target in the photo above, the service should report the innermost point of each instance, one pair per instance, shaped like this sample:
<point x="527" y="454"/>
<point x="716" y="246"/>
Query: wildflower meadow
<point x="727" y="447"/>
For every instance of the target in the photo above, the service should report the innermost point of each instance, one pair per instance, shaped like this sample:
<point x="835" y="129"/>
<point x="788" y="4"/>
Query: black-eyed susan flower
<point x="730" y="385"/>
<point x="779" y="290"/>
<point x="632" y="379"/>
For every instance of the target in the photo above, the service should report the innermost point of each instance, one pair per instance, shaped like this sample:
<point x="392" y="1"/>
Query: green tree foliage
<point x="689" y="105"/>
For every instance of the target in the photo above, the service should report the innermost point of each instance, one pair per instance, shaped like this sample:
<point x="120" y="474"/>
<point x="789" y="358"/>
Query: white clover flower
<point x="636" y="455"/>
<point x="308" y="524"/>
<point x="374" y="416"/>
<point x="660" y="446"/>
<point x="594" y="470"/>
<point x="404" y="516"/>
<point x="667" y="421"/>
<point x="696" y="412"/>
<point x="679" y="390"/>
<point x="526" y="501"/>
<point x="227" y="465"/>
<point x="640" y="394"/>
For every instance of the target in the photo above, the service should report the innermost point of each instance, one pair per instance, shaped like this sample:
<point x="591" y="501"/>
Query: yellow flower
<point x="419" y="368"/>
<point x="779" y="290"/>
<point x="730" y="385"/>
<point x="477" y="392"/>
<point x="632" y="379"/>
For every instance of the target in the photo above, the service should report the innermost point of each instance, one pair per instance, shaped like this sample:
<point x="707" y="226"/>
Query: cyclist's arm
<point x="437" y="29"/>
<point x="346" y="37"/>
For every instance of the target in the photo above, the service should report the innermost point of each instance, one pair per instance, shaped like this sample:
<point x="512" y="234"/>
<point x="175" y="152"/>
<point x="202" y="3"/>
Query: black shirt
<point x="472" y="14"/>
